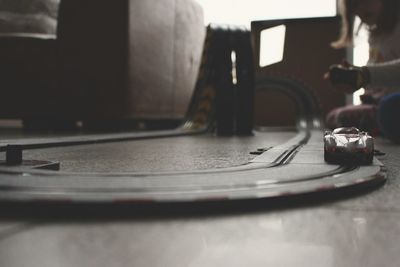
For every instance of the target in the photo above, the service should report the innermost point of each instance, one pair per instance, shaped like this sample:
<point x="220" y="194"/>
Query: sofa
<point x="110" y="61"/>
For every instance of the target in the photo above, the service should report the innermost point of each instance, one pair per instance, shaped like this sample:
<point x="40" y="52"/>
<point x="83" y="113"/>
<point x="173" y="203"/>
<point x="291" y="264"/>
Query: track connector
<point x="13" y="155"/>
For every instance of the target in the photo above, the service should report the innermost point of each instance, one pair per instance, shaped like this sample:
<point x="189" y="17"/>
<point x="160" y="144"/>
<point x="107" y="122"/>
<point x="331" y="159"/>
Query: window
<point x="360" y="55"/>
<point x="242" y="12"/>
<point x="272" y="39"/>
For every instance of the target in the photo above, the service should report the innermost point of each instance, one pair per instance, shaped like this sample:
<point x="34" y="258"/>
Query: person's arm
<point x="350" y="78"/>
<point x="384" y="74"/>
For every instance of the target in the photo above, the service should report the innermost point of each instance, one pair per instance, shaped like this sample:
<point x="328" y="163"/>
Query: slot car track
<point x="274" y="173"/>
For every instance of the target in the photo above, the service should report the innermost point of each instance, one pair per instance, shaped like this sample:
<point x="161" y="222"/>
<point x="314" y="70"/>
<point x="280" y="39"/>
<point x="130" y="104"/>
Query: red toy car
<point x="348" y="146"/>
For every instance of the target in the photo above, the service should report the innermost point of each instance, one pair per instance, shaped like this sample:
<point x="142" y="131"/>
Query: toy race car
<point x="348" y="146"/>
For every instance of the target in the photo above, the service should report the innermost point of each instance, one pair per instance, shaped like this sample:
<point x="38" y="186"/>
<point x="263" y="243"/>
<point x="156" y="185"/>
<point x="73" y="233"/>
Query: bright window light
<point x="242" y="12"/>
<point x="272" y="43"/>
<point x="360" y="56"/>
